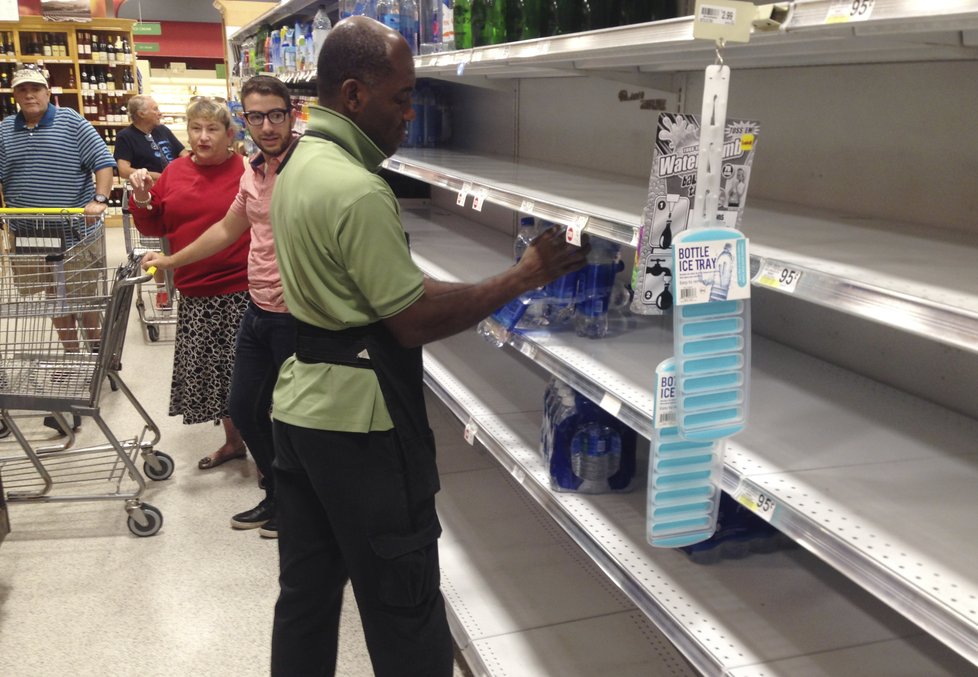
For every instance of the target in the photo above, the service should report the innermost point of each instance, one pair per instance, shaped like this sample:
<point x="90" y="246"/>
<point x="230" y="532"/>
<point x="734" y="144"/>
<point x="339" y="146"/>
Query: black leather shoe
<point x="269" y="529"/>
<point x="256" y="517"/>
<point x="52" y="423"/>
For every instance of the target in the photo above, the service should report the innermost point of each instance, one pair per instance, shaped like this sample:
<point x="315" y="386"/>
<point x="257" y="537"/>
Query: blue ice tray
<point x="712" y="352"/>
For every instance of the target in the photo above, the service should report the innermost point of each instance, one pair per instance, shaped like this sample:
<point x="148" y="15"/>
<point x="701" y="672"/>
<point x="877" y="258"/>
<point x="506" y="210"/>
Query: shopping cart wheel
<point x="154" y="333"/>
<point x="165" y="469"/>
<point x="4" y="430"/>
<point x="154" y="520"/>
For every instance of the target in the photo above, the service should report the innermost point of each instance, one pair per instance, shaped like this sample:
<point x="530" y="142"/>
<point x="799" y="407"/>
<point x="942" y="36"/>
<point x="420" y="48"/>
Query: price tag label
<point x="723" y="20"/>
<point x="478" y="197"/>
<point x="527" y="207"/>
<point x="845" y="11"/>
<point x="610" y="404"/>
<point x="778" y="276"/>
<point x="576" y="230"/>
<point x="519" y="474"/>
<point x="393" y="165"/>
<point x="758" y="501"/>
<point x="463" y="194"/>
<point x="470" y="431"/>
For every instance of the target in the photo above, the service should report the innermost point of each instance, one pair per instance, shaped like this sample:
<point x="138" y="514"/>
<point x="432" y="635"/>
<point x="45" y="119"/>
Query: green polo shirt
<point x="344" y="263"/>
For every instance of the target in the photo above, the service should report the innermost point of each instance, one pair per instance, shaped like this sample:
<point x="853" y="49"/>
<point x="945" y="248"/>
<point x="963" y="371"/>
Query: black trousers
<point x="346" y="510"/>
<point x="264" y="341"/>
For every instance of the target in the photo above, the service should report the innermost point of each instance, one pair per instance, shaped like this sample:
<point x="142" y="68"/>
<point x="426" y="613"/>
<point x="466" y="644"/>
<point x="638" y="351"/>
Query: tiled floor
<point x="79" y="595"/>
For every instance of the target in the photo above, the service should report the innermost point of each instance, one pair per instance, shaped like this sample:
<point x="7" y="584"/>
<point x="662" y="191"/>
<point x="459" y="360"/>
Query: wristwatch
<point x="101" y="199"/>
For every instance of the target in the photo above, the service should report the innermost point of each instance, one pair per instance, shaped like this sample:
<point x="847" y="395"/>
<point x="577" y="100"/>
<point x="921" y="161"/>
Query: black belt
<point x="348" y="347"/>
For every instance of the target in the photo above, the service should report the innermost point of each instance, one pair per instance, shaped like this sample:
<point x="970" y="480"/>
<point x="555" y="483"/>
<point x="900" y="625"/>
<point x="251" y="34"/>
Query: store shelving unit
<point x="876" y="482"/>
<point x="172" y="91"/>
<point x="919" y="563"/>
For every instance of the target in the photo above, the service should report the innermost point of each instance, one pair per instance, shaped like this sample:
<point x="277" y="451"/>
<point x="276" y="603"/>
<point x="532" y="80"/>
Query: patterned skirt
<point x="203" y="359"/>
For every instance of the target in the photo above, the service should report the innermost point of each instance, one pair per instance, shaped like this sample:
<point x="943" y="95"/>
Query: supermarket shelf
<point x="820" y="439"/>
<point x="513" y="579"/>
<point x="726" y="617"/>
<point x="284" y="10"/>
<point x="844" y="262"/>
<point x="898" y="31"/>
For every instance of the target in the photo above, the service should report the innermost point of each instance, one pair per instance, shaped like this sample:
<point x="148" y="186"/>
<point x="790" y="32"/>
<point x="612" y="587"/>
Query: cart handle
<point x="42" y="210"/>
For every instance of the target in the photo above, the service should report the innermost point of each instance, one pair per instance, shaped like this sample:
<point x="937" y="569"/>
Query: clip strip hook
<point x="721" y="43"/>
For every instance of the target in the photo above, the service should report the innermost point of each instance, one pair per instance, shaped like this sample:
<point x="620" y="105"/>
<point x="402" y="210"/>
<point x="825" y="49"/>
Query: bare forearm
<point x="103" y="181"/>
<point x="447" y="309"/>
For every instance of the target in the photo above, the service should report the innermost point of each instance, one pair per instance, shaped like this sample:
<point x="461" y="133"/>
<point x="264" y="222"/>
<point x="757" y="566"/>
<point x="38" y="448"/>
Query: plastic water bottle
<point x="409" y="23"/>
<point x="595" y="456"/>
<point x="447" y="10"/>
<point x="430" y="11"/>
<point x="415" y="133"/>
<point x="276" y="52"/>
<point x="432" y="118"/>
<point x="388" y="12"/>
<point x="321" y="26"/>
<point x="562" y="426"/>
<point x="524" y="236"/>
<point x="346" y="8"/>
<point x="591" y="315"/>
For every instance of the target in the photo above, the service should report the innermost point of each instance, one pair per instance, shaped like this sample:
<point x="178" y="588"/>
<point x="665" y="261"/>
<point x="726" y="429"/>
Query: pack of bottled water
<point x="583" y="299"/>
<point x="586" y="449"/>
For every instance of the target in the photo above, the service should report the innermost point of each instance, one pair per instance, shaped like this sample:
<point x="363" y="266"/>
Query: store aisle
<point x="79" y="595"/>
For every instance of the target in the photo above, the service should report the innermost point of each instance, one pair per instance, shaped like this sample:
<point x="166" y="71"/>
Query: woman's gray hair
<point x="208" y="108"/>
<point x="137" y="105"/>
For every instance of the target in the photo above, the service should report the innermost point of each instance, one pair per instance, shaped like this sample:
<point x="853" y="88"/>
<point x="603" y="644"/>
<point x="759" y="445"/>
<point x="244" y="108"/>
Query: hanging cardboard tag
<point x="723" y="20"/>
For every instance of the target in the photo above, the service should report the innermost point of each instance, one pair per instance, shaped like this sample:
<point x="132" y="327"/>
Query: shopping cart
<point x="157" y="303"/>
<point x="56" y="270"/>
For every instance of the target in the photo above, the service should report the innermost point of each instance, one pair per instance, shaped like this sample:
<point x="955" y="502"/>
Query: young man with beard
<point x="267" y="333"/>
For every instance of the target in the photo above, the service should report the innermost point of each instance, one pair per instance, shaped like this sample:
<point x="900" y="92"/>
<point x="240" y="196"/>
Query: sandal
<point x="209" y="462"/>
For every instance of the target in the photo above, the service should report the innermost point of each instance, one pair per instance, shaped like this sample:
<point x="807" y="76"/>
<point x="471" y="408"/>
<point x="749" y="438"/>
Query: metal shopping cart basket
<point x="56" y="270"/>
<point x="157" y="302"/>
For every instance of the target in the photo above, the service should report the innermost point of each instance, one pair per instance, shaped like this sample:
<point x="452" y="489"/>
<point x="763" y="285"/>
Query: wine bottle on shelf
<point x="46" y="45"/>
<point x="93" y="47"/>
<point x="119" y="53"/>
<point x="102" y="84"/>
<point x="72" y="84"/>
<point x="109" y="49"/>
<point x="102" y="108"/>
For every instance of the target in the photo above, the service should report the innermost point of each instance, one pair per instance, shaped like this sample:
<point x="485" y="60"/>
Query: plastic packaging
<point x="321" y="26"/>
<point x="597" y="281"/>
<point x="684" y="478"/>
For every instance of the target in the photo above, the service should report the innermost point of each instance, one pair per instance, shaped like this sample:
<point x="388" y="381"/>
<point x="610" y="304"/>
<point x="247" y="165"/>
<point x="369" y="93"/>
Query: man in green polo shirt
<point x="355" y="468"/>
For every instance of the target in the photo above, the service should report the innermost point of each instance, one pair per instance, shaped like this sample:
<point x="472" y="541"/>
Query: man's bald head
<point x="357" y="48"/>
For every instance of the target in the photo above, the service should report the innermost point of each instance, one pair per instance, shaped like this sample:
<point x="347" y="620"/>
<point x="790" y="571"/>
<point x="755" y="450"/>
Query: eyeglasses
<point x="276" y="116"/>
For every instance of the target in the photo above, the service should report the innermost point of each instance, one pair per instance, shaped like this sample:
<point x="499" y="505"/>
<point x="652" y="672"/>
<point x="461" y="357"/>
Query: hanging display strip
<point x="852" y="430"/>
<point x="715" y="614"/>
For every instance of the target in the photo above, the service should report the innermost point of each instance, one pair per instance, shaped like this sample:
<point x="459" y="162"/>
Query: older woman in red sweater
<point x="193" y="193"/>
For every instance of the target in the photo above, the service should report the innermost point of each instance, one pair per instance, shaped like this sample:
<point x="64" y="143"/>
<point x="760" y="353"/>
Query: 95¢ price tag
<point x="778" y="276"/>
<point x="845" y="11"/>
<point x="758" y="501"/>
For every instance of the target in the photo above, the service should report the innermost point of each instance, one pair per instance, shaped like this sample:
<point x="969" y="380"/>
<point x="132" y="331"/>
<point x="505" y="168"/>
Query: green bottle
<point x="605" y="13"/>
<point x="515" y="20"/>
<point x="532" y="18"/>
<point x="569" y="16"/>
<point x="494" y="30"/>
<point x="462" y="14"/>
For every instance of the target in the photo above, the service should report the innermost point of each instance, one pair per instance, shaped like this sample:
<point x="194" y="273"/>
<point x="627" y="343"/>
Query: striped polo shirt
<point x="50" y="165"/>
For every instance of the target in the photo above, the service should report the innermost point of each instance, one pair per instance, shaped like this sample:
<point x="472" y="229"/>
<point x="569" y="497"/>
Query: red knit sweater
<point x="187" y="199"/>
